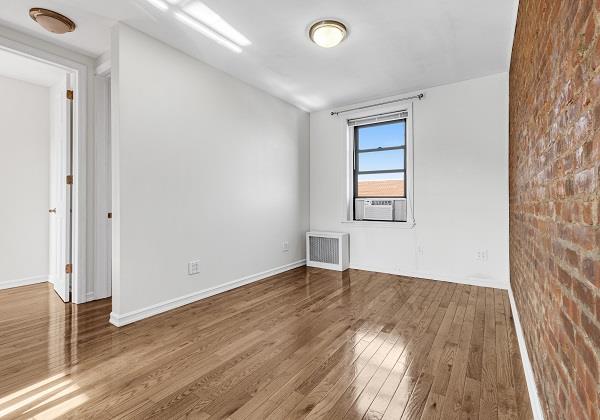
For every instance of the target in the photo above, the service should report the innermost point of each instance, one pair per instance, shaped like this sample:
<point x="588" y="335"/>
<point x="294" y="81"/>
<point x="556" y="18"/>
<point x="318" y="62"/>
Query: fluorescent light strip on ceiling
<point x="159" y="4"/>
<point x="197" y="26"/>
<point x="211" y="19"/>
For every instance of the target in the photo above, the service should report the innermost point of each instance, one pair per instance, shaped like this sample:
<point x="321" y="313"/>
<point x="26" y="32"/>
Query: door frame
<point x="79" y="72"/>
<point x="102" y="164"/>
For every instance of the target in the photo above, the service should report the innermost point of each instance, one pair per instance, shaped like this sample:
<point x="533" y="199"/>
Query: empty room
<point x="344" y="209"/>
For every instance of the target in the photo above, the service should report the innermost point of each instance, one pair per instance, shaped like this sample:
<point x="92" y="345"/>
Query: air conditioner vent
<point x="393" y="210"/>
<point x="327" y="250"/>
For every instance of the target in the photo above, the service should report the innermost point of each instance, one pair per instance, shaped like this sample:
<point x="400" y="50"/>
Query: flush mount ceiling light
<point x="327" y="33"/>
<point x="52" y="21"/>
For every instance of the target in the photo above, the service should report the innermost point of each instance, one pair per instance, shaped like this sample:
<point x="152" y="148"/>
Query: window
<point x="380" y="167"/>
<point x="380" y="160"/>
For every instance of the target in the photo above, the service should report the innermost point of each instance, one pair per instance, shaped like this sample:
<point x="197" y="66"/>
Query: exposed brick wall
<point x="554" y="204"/>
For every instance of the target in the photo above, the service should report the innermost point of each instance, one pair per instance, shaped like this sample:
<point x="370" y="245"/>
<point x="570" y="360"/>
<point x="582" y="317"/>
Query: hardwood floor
<point x="307" y="343"/>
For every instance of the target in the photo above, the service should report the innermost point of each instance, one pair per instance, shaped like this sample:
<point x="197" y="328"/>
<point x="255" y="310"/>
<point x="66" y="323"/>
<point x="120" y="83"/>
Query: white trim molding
<point x="9" y="284"/>
<point x="536" y="405"/>
<point x="120" y="320"/>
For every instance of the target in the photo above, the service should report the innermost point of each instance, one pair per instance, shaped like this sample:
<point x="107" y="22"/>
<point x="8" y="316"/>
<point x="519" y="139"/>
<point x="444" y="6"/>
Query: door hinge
<point x="70" y="94"/>
<point x="69" y="268"/>
<point x="69" y="179"/>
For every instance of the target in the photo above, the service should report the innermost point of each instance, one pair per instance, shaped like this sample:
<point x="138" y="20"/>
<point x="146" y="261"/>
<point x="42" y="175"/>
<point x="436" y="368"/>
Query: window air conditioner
<point x="392" y="210"/>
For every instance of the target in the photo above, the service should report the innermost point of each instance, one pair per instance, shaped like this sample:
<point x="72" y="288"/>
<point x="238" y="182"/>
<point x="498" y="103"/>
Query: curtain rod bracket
<point x="419" y="97"/>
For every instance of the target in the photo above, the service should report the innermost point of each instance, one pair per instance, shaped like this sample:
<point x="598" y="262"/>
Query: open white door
<point x="61" y="188"/>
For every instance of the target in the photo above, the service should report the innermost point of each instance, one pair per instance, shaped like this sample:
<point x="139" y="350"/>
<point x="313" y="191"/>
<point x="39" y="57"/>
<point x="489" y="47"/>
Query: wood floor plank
<point x="455" y="391"/>
<point x="476" y="347"/>
<point x="418" y="357"/>
<point x="507" y="404"/>
<point x="388" y="390"/>
<point x="488" y="404"/>
<point x="335" y="387"/>
<point x="307" y="343"/>
<point x="278" y="397"/>
<point x="382" y="344"/>
<point x="470" y="403"/>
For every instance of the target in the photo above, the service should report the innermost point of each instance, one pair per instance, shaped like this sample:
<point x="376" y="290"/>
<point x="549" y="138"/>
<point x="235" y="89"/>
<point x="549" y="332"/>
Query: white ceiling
<point x="92" y="36"/>
<point x="394" y="46"/>
<point x="28" y="70"/>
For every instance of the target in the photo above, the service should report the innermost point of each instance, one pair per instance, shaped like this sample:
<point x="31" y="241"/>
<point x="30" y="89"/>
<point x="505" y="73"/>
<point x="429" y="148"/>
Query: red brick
<point x="564" y="278"/>
<point x="587" y="213"/>
<point x="591" y="329"/>
<point x="587" y="356"/>
<point x="572" y="309"/>
<point x="585" y="181"/>
<point x="584" y="294"/>
<point x="591" y="271"/>
<point x="572" y="257"/>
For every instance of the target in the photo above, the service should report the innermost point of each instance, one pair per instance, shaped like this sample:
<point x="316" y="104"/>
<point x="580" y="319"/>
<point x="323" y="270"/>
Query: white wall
<point x="24" y="187"/>
<point x="205" y="168"/>
<point x="460" y="187"/>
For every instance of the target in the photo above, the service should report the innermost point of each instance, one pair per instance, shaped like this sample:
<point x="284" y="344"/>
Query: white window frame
<point x="349" y="175"/>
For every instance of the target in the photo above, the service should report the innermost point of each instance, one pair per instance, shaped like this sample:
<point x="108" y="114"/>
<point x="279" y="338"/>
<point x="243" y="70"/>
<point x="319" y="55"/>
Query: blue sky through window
<point x="382" y="135"/>
<point x="384" y="160"/>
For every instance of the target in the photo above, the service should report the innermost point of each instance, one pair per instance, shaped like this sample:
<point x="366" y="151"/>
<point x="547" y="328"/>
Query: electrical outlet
<point x="285" y="246"/>
<point x="193" y="267"/>
<point x="482" y="255"/>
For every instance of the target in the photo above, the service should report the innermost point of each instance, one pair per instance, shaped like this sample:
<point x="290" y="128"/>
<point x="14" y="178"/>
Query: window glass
<point x="382" y="135"/>
<point x="380" y="185"/>
<point x="381" y="161"/>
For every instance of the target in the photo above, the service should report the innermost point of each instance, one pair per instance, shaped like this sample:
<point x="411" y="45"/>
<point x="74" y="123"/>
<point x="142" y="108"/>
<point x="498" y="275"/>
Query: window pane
<point x="381" y="185"/>
<point x="380" y="161"/>
<point x="381" y="135"/>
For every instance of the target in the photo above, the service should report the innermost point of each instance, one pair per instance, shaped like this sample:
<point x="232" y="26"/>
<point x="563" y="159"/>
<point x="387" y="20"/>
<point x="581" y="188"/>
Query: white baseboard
<point x="536" y="405"/>
<point x="123" y="319"/>
<point x="23" y="282"/>
<point x="435" y="276"/>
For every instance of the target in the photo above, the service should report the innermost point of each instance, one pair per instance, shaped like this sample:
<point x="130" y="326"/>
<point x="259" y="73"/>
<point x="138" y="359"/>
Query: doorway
<point x="61" y="83"/>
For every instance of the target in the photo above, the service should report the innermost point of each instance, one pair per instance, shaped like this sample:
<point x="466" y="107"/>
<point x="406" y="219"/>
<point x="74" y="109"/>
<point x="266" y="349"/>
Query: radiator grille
<point x="324" y="250"/>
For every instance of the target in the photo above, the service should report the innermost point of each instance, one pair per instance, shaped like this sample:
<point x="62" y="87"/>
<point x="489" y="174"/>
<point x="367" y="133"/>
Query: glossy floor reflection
<point x="307" y="343"/>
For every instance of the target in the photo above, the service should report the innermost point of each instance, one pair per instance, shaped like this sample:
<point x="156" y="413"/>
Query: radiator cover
<point x="328" y="250"/>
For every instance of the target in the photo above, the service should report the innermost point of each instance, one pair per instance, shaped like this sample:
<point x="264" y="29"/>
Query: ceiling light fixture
<point x="206" y="15"/>
<point x="197" y="26"/>
<point x="327" y="33"/>
<point x="52" y="21"/>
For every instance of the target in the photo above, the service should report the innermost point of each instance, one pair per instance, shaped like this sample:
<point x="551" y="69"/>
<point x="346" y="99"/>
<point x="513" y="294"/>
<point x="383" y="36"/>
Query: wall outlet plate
<point x="482" y="255"/>
<point x="285" y="246"/>
<point x="193" y="267"/>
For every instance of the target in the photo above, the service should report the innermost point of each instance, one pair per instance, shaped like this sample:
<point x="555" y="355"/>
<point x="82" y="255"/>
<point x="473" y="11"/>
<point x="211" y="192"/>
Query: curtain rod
<point x="419" y="97"/>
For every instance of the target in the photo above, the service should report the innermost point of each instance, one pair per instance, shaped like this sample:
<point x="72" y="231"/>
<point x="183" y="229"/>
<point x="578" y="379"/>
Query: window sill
<point x="375" y="224"/>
